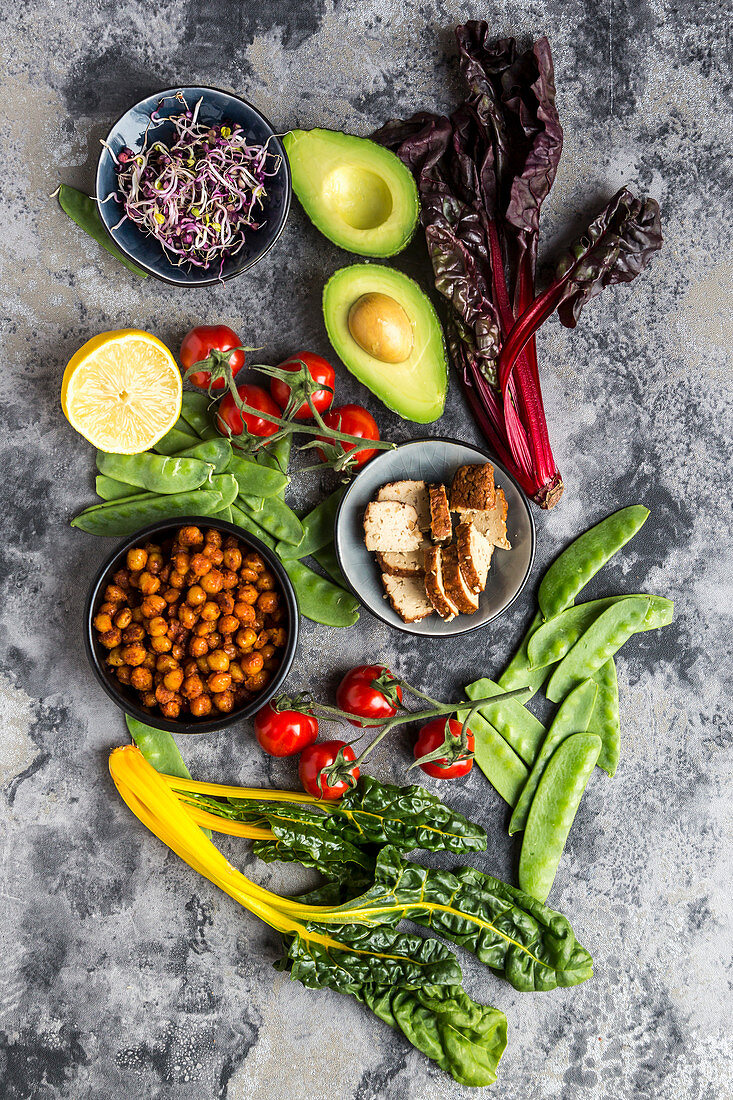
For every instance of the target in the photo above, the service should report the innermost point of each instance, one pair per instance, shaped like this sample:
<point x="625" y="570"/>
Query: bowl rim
<point x="407" y="628"/>
<point x="184" y="282"/>
<point x="172" y="725"/>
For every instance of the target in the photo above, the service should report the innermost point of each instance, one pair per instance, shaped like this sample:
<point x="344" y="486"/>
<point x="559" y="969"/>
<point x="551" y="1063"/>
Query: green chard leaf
<point x="533" y="947"/>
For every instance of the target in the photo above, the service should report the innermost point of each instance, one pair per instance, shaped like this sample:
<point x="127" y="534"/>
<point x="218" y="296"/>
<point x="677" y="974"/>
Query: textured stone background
<point x="123" y="974"/>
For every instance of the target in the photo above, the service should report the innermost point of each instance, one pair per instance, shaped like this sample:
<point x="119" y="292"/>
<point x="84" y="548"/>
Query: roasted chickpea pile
<point x="196" y="626"/>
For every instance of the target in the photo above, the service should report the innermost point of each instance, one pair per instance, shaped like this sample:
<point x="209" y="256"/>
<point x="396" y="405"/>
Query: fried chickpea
<point x="136" y="559"/>
<point x="230" y="649"/>
<point x="218" y="661"/>
<point x="135" y="632"/>
<point x="102" y="622"/>
<point x="258" y="681"/>
<point x="246" y="639"/>
<point x="225" y="602"/>
<point x="233" y="558"/>
<point x="213" y="537"/>
<point x="235" y="671"/>
<point x="231" y="579"/>
<point x="157" y="627"/>
<point x="202" y="665"/>
<point x="165" y="662"/>
<point x="164" y="694"/>
<point x="148" y="699"/>
<point x="124" y="673"/>
<point x="214" y="554"/>
<point x="165" y="574"/>
<point x="247" y="576"/>
<point x="201" y="630"/>
<point x="141" y="678"/>
<point x="178" y="651"/>
<point x="190" y="536"/>
<point x="107" y="609"/>
<point x="214" y="640"/>
<point x="210" y="611"/>
<point x="268" y="601"/>
<point x="278" y="636"/>
<point x="149" y="661"/>
<point x="115" y="658"/>
<point x="177" y="580"/>
<point x="152" y="606"/>
<point x="245" y="612"/>
<point x="213" y="582"/>
<point x="254" y="562"/>
<point x="155" y="562"/>
<point x="198" y="647"/>
<point x="192" y="687"/>
<point x="228" y="624"/>
<point x="114" y="594"/>
<point x="148" y="583"/>
<point x="161" y="644"/>
<point x="224" y="701"/>
<point x="200" y="565"/>
<point x="263" y="638"/>
<point x="135" y="578"/>
<point x="252" y="663"/>
<point x="219" y="681"/>
<point x="134" y="654"/>
<point x="173" y="679"/>
<point x="195" y="596"/>
<point x="247" y="593"/>
<point x="122" y="579"/>
<point x="172" y="709"/>
<point x="267" y="652"/>
<point x="110" y="639"/>
<point x="181" y="562"/>
<point x="171" y="595"/>
<point x="123" y="618"/>
<point x="137" y="615"/>
<point x="266" y="581"/>
<point x="201" y="706"/>
<point x="188" y="616"/>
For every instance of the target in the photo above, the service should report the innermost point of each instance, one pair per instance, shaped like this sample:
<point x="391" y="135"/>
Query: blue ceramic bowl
<point x="129" y="131"/>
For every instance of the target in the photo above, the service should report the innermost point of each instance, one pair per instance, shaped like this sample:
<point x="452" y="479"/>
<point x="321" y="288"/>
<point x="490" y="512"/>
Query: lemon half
<point x="122" y="391"/>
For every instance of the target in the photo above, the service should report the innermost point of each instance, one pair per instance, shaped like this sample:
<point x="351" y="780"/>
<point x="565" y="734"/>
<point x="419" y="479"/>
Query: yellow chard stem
<point x="221" y="790"/>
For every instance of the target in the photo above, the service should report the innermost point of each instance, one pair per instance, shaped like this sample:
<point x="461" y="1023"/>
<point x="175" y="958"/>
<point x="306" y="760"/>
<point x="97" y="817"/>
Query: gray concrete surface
<point x="123" y="974"/>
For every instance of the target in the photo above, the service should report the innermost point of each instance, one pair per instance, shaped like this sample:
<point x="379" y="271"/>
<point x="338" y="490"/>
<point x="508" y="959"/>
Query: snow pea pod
<point x="83" y="210"/>
<point x="553" y="811"/>
<point x="510" y="718"/>
<point x="317" y="528"/>
<point x="109" y="489"/>
<point x="218" y="452"/>
<point x="124" y="517"/>
<point x="553" y="639"/>
<point x="274" y="515"/>
<point x="326" y="558"/>
<point x="573" y="716"/>
<point x="276" y="455"/>
<point x="175" y="440"/>
<point x="319" y="599"/>
<point x="195" y="411"/>
<point x="156" y="473"/>
<point x="255" y="480"/>
<point x="600" y="641"/>
<point x="241" y="519"/>
<point x="226" y="486"/>
<point x="575" y="566"/>
<point x="519" y="673"/>
<point x="605" y="719"/>
<point x="498" y="761"/>
<point x="225" y="513"/>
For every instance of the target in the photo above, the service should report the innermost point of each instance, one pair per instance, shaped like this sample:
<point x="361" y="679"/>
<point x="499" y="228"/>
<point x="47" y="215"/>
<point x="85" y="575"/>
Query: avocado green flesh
<point x="359" y="195"/>
<point x="416" y="388"/>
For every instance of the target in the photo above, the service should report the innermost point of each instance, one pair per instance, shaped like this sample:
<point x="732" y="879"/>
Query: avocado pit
<point x="380" y="326"/>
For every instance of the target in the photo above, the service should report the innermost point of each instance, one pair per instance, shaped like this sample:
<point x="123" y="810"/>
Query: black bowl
<point x="125" y="697"/>
<point x="146" y="251"/>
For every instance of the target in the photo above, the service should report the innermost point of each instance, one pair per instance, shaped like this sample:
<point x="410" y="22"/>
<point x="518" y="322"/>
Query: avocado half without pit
<point x="359" y="195"/>
<point x="385" y="330"/>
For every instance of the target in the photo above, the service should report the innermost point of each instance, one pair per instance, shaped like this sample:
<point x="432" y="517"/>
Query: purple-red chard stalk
<point x="483" y="175"/>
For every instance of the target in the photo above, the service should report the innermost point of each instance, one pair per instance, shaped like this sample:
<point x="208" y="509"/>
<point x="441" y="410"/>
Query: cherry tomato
<point x="284" y="732"/>
<point x="321" y="372"/>
<point x="198" y="345"/>
<point x="430" y="738"/>
<point x="229" y="417"/>
<point x="314" y="759"/>
<point x="356" y="695"/>
<point x="352" y="420"/>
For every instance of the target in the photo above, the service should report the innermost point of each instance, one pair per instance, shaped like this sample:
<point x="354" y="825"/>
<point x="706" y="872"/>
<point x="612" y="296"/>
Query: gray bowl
<point x="433" y="460"/>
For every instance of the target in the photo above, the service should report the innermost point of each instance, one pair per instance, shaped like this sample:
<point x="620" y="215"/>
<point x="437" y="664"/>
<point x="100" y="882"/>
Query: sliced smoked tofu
<point x="410" y="564"/>
<point x="391" y="527"/>
<point x="414" y="493"/>
<point x="474" y="555"/>
<point x="434" y="584"/>
<point x="441" y="527"/>
<point x="454" y="583"/>
<point x="408" y="597"/>
<point x="473" y="488"/>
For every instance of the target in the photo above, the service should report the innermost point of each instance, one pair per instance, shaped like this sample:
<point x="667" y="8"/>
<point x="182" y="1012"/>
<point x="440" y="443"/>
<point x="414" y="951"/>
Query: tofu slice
<point x="402" y="565"/>
<point x="455" y="585"/>
<point x="391" y="526"/>
<point x="473" y="488"/>
<point x="434" y="584"/>
<point x="408" y="597"/>
<point x="414" y="493"/>
<point x="474" y="555"/>
<point x="441" y="527"/>
<point x="492" y="522"/>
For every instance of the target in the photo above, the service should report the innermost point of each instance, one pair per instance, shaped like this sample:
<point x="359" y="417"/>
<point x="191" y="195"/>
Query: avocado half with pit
<point x="360" y="195"/>
<point x="385" y="330"/>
